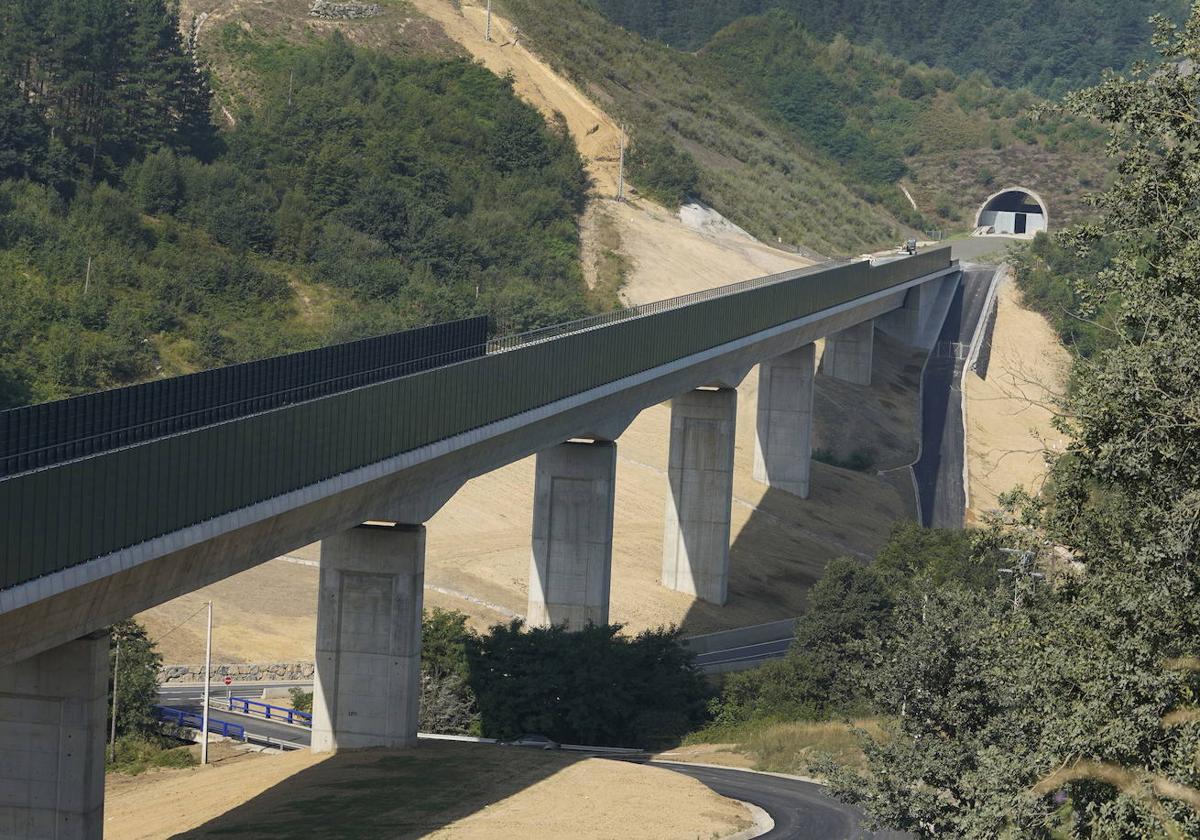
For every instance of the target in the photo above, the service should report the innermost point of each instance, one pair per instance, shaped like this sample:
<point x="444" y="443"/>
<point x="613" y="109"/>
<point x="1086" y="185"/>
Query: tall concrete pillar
<point x="783" y="439"/>
<point x="52" y="727"/>
<point x="571" y="565"/>
<point x="848" y="354"/>
<point x="908" y="322"/>
<point x="700" y="494"/>
<point x="368" y="664"/>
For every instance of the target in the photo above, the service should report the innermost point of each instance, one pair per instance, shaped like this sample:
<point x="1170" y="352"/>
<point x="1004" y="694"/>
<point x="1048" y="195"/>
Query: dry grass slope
<point x="442" y="790"/>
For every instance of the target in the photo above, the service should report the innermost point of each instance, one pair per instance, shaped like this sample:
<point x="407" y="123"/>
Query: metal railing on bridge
<point x="194" y="720"/>
<point x="60" y="515"/>
<point x="267" y="711"/>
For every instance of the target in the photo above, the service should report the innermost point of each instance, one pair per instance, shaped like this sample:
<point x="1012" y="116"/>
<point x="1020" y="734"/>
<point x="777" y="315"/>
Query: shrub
<point x="662" y="171"/>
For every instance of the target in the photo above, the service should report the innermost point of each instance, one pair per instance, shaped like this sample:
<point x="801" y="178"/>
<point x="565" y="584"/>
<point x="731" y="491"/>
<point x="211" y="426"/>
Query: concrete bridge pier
<point x="53" y="709"/>
<point x="908" y="322"/>
<point x="848" y="354"/>
<point x="571" y="565"/>
<point x="368" y="662"/>
<point x="700" y="497"/>
<point x="783" y="439"/>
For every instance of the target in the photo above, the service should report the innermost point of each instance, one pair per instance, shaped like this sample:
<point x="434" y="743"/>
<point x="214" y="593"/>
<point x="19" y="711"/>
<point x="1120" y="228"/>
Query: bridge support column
<point x="571" y="565"/>
<point x="848" y="354"/>
<point x="783" y="439"/>
<point x="700" y="478"/>
<point x="908" y="322"/>
<point x="368" y="663"/>
<point x="52" y="727"/>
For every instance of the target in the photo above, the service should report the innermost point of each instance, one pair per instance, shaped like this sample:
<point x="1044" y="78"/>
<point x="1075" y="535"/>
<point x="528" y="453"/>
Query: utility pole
<point x="112" y="732"/>
<point x="621" y="170"/>
<point x="87" y="278"/>
<point x="487" y="36"/>
<point x="1024" y="569"/>
<point x="207" y="682"/>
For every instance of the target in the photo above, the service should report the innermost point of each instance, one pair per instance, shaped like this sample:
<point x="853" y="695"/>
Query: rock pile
<point x="343" y="11"/>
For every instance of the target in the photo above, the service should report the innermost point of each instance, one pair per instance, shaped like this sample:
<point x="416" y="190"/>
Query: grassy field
<point x="781" y="746"/>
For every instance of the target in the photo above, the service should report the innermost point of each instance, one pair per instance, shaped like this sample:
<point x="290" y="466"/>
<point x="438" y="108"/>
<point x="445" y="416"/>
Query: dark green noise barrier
<point x="168" y="455"/>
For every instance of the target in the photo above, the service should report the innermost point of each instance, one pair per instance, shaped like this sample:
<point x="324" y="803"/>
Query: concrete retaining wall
<point x="250" y="672"/>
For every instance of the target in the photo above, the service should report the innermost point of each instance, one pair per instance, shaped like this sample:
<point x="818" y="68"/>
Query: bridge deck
<point x="130" y="491"/>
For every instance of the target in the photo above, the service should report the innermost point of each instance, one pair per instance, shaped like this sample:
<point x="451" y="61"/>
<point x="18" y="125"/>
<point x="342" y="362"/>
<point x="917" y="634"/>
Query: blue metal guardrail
<point x="269" y="712"/>
<point x="194" y="720"/>
<point x="58" y="516"/>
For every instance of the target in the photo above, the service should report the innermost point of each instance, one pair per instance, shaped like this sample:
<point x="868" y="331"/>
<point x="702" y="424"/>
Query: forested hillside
<point x="773" y="126"/>
<point x="363" y="193"/>
<point x="1052" y="46"/>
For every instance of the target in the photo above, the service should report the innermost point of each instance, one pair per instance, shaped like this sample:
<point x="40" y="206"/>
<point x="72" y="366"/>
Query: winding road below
<point x="801" y="810"/>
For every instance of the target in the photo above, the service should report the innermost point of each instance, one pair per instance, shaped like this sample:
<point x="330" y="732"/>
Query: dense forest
<point x="871" y="111"/>
<point x="1051" y="46"/>
<point x="363" y="194"/>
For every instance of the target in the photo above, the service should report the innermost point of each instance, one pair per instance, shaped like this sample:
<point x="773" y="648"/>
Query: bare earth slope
<point x="665" y="253"/>
<point x="1009" y="414"/>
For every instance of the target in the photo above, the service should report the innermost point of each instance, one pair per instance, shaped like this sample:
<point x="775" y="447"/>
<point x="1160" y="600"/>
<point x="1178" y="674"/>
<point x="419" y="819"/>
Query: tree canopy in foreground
<point x="1072" y="711"/>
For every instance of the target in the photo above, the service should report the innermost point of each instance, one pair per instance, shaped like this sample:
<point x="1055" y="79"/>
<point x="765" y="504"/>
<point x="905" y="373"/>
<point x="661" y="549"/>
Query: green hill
<point x="780" y="125"/>
<point x="363" y="193"/>
<point x="1052" y="46"/>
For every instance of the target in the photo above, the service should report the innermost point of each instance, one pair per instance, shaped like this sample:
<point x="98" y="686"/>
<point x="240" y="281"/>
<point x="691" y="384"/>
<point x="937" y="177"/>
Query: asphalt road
<point x="981" y="249"/>
<point x="189" y="698"/>
<point x="939" y="472"/>
<point x="801" y="810"/>
<point x="760" y="652"/>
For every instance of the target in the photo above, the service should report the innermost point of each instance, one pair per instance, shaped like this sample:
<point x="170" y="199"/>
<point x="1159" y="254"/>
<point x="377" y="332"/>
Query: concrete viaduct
<point x="115" y="502"/>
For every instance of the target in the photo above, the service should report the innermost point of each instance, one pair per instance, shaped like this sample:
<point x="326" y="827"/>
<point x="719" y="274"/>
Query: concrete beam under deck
<point x="58" y="608"/>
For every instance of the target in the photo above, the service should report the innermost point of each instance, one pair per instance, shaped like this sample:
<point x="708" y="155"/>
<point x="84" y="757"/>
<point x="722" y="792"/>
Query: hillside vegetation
<point x="362" y="194"/>
<point x="694" y="133"/>
<point x="762" y="120"/>
<point x="1051" y="46"/>
<point x="884" y="119"/>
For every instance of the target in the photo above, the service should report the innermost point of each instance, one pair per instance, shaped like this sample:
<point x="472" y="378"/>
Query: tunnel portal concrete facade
<point x="1015" y="211"/>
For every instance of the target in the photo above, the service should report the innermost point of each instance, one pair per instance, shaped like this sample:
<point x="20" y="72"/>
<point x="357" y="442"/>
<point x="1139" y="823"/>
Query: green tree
<point x="136" y="662"/>
<point x="592" y="686"/>
<point x="1089" y="689"/>
<point x="662" y="171"/>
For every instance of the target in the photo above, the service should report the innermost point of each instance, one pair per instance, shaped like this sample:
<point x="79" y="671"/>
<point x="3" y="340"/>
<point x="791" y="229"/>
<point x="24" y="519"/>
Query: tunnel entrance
<point x="1014" y="211"/>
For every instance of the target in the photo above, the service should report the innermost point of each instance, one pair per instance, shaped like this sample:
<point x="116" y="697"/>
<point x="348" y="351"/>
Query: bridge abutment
<point x="783" y="435"/>
<point x="53" y="709"/>
<point x="368" y="658"/>
<point x="571" y="565"/>
<point x="700" y="494"/>
<point x="848" y="354"/>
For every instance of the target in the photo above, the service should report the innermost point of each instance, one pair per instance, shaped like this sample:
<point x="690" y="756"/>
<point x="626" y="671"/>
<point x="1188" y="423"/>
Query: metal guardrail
<point x="269" y="712"/>
<point x="57" y="517"/>
<point x="194" y="720"/>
